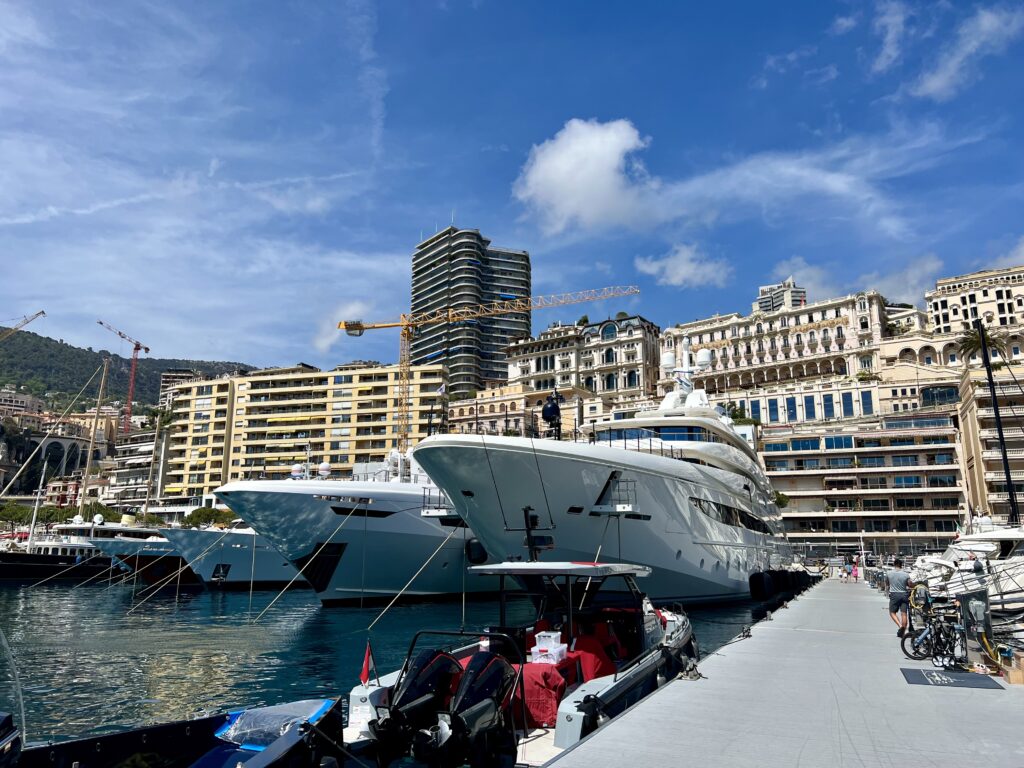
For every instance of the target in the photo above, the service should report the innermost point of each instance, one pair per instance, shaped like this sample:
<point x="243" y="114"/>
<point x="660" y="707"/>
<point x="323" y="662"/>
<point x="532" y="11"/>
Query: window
<point x="809" y="407"/>
<point x="790" y="409"/>
<point x="866" y="406"/>
<point x="775" y="447"/>
<point x="755" y="409"/>
<point x="904" y="461"/>
<point x="805" y="444"/>
<point x="942" y="458"/>
<point x="773" y="410"/>
<point x="873" y="482"/>
<point x="880" y="526"/>
<point x="841" y="462"/>
<point x="838" y="442"/>
<point x="945" y="502"/>
<point x="343" y="379"/>
<point x="911" y="526"/>
<point x="909" y="503"/>
<point x="777" y="465"/>
<point x="945" y="526"/>
<point x="942" y="481"/>
<point x="608" y="332"/>
<point x="844" y="526"/>
<point x="906" y="481"/>
<point x="848" y="404"/>
<point x="872" y="461"/>
<point x="828" y="406"/>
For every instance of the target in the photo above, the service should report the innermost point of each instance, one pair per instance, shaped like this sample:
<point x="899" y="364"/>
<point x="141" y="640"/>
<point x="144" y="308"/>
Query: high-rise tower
<point x="460" y="268"/>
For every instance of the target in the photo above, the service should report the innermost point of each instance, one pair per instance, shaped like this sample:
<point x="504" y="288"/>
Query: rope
<point x="101" y="573"/>
<point x="47" y="435"/>
<point x="252" y="575"/>
<point x="304" y="567"/>
<point x="65" y="570"/>
<point x="167" y="580"/>
<point x="408" y="583"/>
<point x="494" y="481"/>
<point x="540" y="476"/>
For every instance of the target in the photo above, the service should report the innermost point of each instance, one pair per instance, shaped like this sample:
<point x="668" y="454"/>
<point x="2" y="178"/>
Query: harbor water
<point x="94" y="659"/>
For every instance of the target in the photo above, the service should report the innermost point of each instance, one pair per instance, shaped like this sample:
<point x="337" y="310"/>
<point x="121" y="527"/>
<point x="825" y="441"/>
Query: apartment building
<point x="982" y="454"/>
<point x="823" y="340"/>
<point x="891" y="482"/>
<point x="993" y="295"/>
<point x="170" y="379"/>
<point x="784" y="295"/>
<point x="260" y="424"/>
<point x="199" y="438"/>
<point x="133" y="475"/>
<point x="459" y="268"/>
<point x="515" y="409"/>
<point x="13" y="403"/>
<point x="616" y="359"/>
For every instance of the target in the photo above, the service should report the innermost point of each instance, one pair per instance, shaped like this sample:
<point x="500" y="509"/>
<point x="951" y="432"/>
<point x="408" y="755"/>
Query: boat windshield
<point x="666" y="433"/>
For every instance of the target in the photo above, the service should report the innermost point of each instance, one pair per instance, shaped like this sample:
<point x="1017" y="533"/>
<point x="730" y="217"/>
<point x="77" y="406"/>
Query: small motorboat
<point x="503" y="696"/>
<point x="286" y="735"/>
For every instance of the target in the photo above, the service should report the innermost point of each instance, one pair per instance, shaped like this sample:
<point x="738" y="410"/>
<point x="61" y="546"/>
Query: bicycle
<point x="942" y="637"/>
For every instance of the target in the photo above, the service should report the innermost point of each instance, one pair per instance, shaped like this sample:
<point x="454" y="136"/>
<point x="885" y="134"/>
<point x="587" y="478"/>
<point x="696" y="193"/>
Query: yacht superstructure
<point x="676" y="489"/>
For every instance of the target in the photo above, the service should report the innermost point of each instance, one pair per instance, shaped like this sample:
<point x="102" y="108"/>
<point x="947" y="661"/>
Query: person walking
<point x="854" y="572"/>
<point x="847" y="571"/>
<point x="899" y="583"/>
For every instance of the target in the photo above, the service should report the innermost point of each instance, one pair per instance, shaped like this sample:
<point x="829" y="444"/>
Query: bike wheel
<point x="916" y="645"/>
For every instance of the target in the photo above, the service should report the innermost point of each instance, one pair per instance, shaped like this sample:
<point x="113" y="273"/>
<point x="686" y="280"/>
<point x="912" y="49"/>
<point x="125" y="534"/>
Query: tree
<point x="969" y="344"/>
<point x="621" y="315"/>
<point x="781" y="499"/>
<point x="584" y="320"/>
<point x="209" y="516"/>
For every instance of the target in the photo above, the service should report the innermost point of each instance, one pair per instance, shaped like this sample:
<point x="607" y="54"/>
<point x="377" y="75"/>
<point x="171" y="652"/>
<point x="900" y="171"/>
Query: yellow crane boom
<point x="25" y="321"/>
<point x="408" y="322"/>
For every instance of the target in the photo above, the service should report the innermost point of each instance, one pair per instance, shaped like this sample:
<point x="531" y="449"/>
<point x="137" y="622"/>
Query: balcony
<point x="1011" y="453"/>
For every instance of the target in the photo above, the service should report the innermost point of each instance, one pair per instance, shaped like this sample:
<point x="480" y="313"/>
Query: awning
<point x="134" y="462"/>
<point x="293" y="417"/>
<point x="173" y="488"/>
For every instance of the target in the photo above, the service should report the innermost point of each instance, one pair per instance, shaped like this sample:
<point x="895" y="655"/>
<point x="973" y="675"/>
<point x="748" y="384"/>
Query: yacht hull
<point x="234" y="559"/>
<point x="694" y="558"/>
<point x="154" y="563"/>
<point x="358" y="542"/>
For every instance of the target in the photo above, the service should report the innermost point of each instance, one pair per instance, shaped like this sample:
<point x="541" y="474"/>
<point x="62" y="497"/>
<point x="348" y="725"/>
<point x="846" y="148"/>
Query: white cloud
<point x="889" y="24"/>
<point x="1012" y="258"/>
<point x="821" y="281"/>
<point x="822" y="75"/>
<point x="372" y="77"/>
<point x="988" y="32"/>
<point x="584" y="176"/>
<point x="588" y="177"/>
<point x="825" y="281"/>
<point x="215" y="165"/>
<point x="842" y="24"/>
<point x="780" y="63"/>
<point x="685" y="267"/>
<point x="906" y="285"/>
<point x="329" y="335"/>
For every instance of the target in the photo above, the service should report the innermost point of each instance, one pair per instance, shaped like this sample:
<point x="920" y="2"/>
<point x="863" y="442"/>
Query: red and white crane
<point x="137" y="346"/>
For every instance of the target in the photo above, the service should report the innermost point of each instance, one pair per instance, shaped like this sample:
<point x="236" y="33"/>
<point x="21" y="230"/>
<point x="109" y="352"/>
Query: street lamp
<point x="504" y="412"/>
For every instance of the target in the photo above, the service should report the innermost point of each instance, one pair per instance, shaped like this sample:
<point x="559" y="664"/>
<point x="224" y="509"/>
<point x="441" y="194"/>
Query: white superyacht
<point x="676" y="489"/>
<point x="366" y="539"/>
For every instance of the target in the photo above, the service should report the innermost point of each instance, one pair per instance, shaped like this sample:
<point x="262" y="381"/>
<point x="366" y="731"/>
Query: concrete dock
<point x="820" y="685"/>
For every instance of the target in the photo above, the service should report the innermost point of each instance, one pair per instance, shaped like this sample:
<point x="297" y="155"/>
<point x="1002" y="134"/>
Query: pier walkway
<point x="819" y="686"/>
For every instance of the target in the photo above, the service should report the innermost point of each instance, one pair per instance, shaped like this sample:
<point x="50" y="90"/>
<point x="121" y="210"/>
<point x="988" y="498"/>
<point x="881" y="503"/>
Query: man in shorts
<point x="899" y="584"/>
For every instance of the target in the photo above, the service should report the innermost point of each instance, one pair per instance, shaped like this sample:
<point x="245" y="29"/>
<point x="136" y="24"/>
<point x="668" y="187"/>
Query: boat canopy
<point x="588" y="570"/>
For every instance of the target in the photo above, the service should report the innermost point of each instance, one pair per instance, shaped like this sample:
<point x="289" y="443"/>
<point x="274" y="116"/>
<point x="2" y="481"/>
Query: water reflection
<point x="89" y="665"/>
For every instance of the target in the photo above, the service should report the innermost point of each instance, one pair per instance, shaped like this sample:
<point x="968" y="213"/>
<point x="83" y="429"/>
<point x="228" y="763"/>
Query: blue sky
<point x="228" y="180"/>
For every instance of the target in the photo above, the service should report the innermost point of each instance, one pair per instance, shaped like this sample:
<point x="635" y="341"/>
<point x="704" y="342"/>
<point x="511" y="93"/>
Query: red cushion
<point x="594" y="661"/>
<point x="543" y="688"/>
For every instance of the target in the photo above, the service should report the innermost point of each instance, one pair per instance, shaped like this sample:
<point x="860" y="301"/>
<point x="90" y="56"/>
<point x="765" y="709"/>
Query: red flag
<point x="369" y="668"/>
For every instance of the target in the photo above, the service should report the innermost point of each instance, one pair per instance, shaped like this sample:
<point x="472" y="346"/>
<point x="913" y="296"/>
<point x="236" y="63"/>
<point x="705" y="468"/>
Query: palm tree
<point x="969" y="344"/>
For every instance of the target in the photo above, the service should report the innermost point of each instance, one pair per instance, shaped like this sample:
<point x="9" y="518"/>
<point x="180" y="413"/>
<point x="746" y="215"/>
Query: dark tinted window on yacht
<point x="723" y="513"/>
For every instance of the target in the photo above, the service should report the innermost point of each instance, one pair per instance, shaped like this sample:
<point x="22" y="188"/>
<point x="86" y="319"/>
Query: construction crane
<point x="408" y="323"/>
<point x="25" y="321"/>
<point x="137" y="346"/>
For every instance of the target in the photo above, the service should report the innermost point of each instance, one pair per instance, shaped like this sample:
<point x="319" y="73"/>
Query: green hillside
<point x="45" y="365"/>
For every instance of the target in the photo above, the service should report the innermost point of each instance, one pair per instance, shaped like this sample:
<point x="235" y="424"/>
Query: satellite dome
<point x="704" y="358"/>
<point x="324" y="470"/>
<point x="298" y="470"/>
<point x="97" y="519"/>
<point x="668" y="359"/>
<point x="77" y="519"/>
